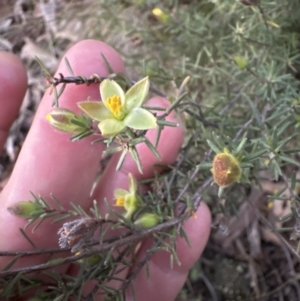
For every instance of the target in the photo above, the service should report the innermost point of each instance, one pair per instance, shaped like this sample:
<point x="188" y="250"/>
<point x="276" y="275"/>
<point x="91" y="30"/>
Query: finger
<point x="13" y="85"/>
<point x="165" y="282"/>
<point x="49" y="162"/>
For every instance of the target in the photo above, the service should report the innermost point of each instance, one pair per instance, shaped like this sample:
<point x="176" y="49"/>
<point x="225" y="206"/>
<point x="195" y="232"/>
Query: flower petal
<point x="135" y="96"/>
<point x="132" y="184"/>
<point x="120" y="192"/>
<point x="109" y="127"/>
<point x="95" y="109"/>
<point x="140" y="119"/>
<point x="109" y="88"/>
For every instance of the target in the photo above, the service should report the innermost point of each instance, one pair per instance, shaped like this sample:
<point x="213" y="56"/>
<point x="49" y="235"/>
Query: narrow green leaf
<point x="121" y="159"/>
<point x="157" y="136"/>
<point x="38" y="224"/>
<point x="185" y="236"/>
<point x="136" y="158"/>
<point x="167" y="123"/>
<point x="61" y="218"/>
<point x="82" y="135"/>
<point x="69" y="66"/>
<point x="59" y="298"/>
<point x="58" y="203"/>
<point x="78" y="209"/>
<point x="255" y="155"/>
<point x="111" y="151"/>
<point x="152" y="148"/>
<point x="10" y="285"/>
<point x="55" y="262"/>
<point x="204" y="166"/>
<point x="27" y="237"/>
<point x="220" y="192"/>
<point x="240" y="146"/>
<point x="293" y="180"/>
<point x="43" y="67"/>
<point x="107" y="65"/>
<point x="289" y="160"/>
<point x="213" y="147"/>
<point x="11" y="262"/>
<point x="176" y="103"/>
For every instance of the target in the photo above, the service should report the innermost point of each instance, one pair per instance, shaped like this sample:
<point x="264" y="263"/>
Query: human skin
<point x="50" y="163"/>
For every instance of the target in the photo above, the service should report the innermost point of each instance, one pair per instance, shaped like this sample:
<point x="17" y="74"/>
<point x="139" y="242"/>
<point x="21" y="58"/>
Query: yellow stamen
<point x="120" y="201"/>
<point x="115" y="105"/>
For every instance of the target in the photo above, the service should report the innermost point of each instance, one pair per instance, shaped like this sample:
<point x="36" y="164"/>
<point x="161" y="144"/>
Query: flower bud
<point x="24" y="209"/>
<point x="61" y="119"/>
<point x="241" y="62"/>
<point x="147" y="220"/>
<point x="131" y="204"/>
<point x="94" y="259"/>
<point x="226" y="169"/>
<point x="129" y="200"/>
<point x="91" y="260"/>
<point x="161" y="15"/>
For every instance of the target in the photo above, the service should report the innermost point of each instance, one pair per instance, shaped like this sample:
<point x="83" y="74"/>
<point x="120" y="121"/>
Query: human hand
<point x="50" y="163"/>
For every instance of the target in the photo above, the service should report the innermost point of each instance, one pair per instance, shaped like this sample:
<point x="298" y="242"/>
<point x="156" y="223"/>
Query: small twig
<point x="78" y="80"/>
<point x="60" y="250"/>
<point x="32" y="253"/>
<point x="102" y="248"/>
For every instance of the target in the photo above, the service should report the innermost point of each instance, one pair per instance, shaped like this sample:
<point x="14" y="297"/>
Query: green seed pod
<point x="226" y="169"/>
<point x="147" y="220"/>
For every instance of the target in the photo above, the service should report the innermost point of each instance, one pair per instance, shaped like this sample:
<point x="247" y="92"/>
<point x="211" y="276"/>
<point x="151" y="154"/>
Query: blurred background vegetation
<point x="243" y="59"/>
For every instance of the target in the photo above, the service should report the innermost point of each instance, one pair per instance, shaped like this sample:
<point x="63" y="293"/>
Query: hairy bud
<point x="226" y="169"/>
<point x="66" y="121"/>
<point x="24" y="209"/>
